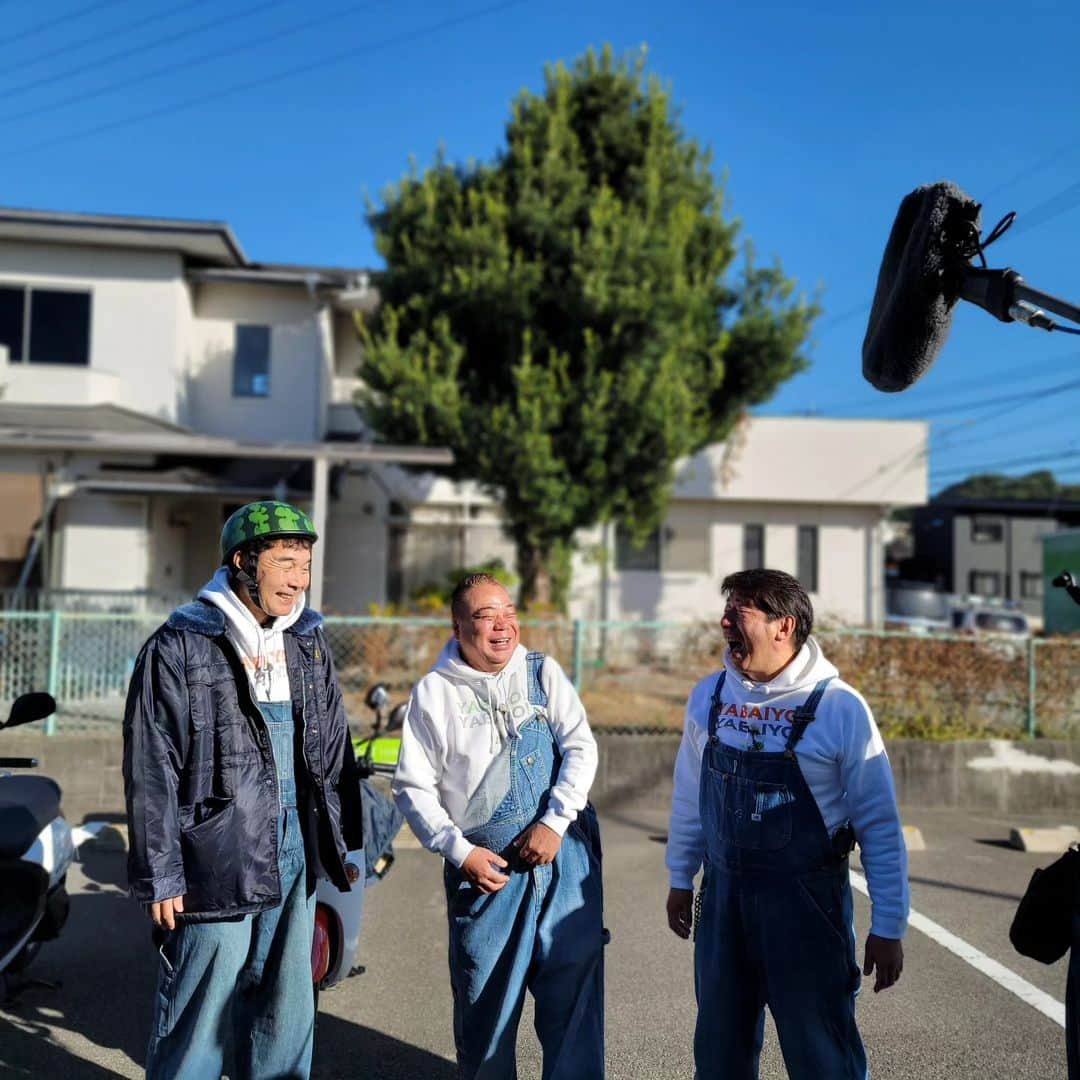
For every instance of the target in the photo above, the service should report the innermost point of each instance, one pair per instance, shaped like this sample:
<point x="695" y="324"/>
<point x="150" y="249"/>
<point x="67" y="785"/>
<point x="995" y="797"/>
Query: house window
<point x="986" y="530"/>
<point x="251" y="362"/>
<point x="984" y="583"/>
<point x="45" y="326"/>
<point x="807" y="557"/>
<point x="680" y="547"/>
<point x="753" y="547"/>
<point x="630" y="556"/>
<point x="1031" y="585"/>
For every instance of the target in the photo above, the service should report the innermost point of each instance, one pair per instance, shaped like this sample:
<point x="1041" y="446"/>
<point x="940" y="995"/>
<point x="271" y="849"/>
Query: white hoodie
<point x="457" y="722"/>
<point x="841" y="756"/>
<point x="261" y="649"/>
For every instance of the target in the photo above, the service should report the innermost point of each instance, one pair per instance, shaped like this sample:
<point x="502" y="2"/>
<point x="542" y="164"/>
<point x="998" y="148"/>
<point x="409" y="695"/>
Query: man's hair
<point x="250" y="550"/>
<point x="470" y="581"/>
<point x="776" y="594"/>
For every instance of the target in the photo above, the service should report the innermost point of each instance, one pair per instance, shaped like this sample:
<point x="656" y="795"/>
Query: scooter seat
<point x="27" y="805"/>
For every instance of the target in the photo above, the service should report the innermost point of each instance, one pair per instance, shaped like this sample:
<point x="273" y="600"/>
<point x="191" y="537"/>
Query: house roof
<point x="76" y="418"/>
<point x="208" y="243"/>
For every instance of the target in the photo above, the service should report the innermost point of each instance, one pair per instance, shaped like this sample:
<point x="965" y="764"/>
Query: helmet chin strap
<point x="249" y="580"/>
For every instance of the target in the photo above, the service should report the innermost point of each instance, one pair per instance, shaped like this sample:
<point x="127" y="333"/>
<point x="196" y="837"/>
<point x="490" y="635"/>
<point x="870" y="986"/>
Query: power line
<point x="74" y="46"/>
<point x="279" y="76"/>
<point x="1035" y="459"/>
<point x="170" y="39"/>
<point x="71" y="16"/>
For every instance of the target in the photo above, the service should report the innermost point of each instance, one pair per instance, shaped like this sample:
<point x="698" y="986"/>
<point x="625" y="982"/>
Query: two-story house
<point x="153" y="378"/>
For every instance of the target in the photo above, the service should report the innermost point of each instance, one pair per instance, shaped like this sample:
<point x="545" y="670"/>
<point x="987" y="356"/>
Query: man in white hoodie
<point x="241" y="788"/>
<point x="494" y="774"/>
<point x="781" y="770"/>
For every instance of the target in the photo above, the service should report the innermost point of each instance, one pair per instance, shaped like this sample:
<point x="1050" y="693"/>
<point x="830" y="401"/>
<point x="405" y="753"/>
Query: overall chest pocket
<point x="758" y="814"/>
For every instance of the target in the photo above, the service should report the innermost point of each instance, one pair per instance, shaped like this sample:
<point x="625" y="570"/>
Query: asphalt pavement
<point x="944" y="1019"/>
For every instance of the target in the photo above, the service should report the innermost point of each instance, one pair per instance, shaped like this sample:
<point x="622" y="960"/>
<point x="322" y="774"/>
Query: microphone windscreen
<point x="918" y="284"/>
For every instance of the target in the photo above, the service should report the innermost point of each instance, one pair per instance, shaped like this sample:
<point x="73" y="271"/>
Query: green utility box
<point x="1061" y="551"/>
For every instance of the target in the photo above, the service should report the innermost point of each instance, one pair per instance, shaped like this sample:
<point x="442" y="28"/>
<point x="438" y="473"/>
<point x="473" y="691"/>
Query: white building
<point x="155" y="378"/>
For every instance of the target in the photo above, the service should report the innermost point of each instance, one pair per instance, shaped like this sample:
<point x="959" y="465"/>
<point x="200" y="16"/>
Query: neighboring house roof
<point x="81" y="418"/>
<point x="1011" y="507"/>
<point x="209" y="243"/>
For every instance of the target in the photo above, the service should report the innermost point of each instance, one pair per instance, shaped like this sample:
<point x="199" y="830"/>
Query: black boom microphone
<point x="925" y="270"/>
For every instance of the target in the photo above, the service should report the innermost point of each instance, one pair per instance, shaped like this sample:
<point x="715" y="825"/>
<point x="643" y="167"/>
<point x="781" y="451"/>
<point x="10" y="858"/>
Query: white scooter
<point x="37" y="845"/>
<point x="338" y="914"/>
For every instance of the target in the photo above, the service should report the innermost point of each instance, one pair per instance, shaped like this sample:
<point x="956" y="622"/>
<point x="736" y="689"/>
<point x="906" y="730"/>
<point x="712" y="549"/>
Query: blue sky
<point x="279" y="117"/>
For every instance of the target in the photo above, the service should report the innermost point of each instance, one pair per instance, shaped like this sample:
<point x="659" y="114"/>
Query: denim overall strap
<point x="534" y="663"/>
<point x="804" y="715"/>
<point x="278" y="716"/>
<point x="714" y="705"/>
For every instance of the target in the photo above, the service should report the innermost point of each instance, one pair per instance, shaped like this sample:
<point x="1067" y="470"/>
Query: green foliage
<point x="1034" y="485"/>
<point x="435" y="596"/>
<point x="566" y="318"/>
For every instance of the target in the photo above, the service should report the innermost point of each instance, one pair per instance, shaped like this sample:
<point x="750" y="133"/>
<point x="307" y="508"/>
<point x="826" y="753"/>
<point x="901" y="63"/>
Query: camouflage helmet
<point x="266" y="519"/>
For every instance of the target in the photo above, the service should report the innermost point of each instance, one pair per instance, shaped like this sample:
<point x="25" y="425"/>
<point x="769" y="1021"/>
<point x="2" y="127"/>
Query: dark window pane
<point x="807" y="569"/>
<point x="1031" y="585"/>
<point x="12" y="306"/>
<point x="59" y="327"/>
<point x="987" y="530"/>
<point x="251" y="364"/>
<point x="629" y="557"/>
<point x="984" y="583"/>
<point x="753" y="547"/>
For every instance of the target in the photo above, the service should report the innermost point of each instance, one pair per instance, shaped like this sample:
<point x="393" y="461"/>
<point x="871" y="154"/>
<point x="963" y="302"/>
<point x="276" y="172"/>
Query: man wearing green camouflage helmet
<point x="241" y="789"/>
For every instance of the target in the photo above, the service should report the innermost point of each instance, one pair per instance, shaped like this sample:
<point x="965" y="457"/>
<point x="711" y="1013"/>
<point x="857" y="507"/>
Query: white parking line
<point x="1036" y="998"/>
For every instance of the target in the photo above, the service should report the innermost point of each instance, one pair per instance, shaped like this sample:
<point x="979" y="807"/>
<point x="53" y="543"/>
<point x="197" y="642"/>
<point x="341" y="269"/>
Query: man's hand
<point x="680" y="911"/>
<point x="887" y="956"/>
<point x="478" y="868"/>
<point x="164" y="912"/>
<point x="538" y="844"/>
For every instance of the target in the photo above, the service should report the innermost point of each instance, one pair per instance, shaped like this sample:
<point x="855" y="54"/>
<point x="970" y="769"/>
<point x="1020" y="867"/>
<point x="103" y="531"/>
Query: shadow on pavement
<point x="106" y="965"/>
<point x="346" y="1049"/>
<point x="935" y="883"/>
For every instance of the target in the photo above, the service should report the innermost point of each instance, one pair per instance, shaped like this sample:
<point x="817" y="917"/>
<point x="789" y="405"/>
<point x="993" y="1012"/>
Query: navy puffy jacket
<point x="199" y="773"/>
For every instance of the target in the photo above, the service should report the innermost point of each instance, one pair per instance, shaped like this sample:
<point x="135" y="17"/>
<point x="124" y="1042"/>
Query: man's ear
<point x="785" y="628"/>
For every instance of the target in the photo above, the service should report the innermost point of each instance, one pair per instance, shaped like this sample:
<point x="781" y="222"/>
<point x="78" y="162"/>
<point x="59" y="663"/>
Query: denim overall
<point x="774" y="920"/>
<point x="245" y="979"/>
<point x="543" y="930"/>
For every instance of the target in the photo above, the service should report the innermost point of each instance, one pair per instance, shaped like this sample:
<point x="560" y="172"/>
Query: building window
<point x="986" y="530"/>
<point x="629" y="556"/>
<point x="251" y="362"/>
<point x="753" y="547"/>
<point x="1031" y="585"/>
<point x="807" y="556"/>
<point x="984" y="583"/>
<point x="45" y="326"/>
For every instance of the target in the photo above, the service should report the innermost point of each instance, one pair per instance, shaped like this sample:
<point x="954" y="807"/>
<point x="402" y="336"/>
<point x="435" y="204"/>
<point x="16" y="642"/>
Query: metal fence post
<point x="54" y="665"/>
<point x="1031" y="688"/>
<point x="578" y="649"/>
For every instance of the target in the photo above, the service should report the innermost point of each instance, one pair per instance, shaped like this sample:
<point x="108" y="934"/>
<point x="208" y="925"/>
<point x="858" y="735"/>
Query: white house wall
<point x="848" y="574"/>
<point x="102" y="542"/>
<point x="136" y="356"/>
<point x="295" y="407"/>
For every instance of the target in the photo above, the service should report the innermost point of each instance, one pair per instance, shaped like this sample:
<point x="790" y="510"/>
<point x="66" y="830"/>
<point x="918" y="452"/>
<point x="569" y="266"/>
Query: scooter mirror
<point x="377" y="696"/>
<point x="27" y="708"/>
<point x="397" y="717"/>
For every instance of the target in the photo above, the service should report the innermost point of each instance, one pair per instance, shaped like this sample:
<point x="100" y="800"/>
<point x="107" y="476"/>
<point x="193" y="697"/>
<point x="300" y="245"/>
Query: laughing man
<point x="781" y="770"/>
<point x="496" y="764"/>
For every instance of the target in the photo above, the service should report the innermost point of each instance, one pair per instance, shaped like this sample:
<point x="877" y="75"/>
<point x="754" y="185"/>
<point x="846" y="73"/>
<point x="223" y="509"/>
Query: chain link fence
<point x="632" y="676"/>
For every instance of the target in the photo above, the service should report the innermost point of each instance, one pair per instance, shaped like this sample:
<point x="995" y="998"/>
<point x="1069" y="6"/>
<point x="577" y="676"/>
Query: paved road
<point x="944" y="1019"/>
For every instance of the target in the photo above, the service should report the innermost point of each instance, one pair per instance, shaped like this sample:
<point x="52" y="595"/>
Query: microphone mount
<point x="1006" y="296"/>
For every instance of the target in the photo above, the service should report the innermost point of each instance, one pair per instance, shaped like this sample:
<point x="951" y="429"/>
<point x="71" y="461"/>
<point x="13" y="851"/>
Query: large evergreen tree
<point x="566" y="318"/>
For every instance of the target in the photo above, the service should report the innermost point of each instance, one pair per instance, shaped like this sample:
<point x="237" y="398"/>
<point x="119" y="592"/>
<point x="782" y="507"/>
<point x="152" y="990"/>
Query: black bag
<point x="1042" y="925"/>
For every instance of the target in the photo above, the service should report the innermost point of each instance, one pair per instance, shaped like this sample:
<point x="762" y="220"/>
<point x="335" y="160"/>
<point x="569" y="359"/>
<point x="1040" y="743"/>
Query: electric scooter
<point x="37" y="845"/>
<point x="338" y="914"/>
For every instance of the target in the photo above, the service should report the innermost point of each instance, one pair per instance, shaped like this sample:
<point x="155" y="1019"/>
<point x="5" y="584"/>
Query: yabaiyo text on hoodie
<point x="474" y="711"/>
<point x="770" y="719"/>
